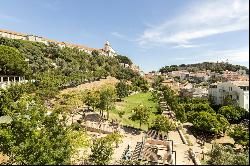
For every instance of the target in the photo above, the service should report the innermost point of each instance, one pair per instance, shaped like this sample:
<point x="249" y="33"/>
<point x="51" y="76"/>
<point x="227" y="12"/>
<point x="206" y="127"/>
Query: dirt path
<point x="92" y="85"/>
<point x="182" y="157"/>
<point x="175" y="136"/>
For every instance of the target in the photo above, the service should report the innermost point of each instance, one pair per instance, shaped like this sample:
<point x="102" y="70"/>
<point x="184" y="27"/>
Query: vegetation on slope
<point x="54" y="68"/>
<point x="217" y="67"/>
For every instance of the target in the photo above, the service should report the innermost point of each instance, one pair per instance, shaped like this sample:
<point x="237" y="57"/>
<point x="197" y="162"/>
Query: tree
<point x="124" y="59"/>
<point x="102" y="151"/>
<point x="198" y="107"/>
<point x="180" y="113"/>
<point x="91" y="98"/>
<point x="72" y="101"/>
<point x="12" y="62"/>
<point x="122" y="89"/>
<point x="33" y="137"/>
<point x="115" y="137"/>
<point x="55" y="68"/>
<point x="121" y="113"/>
<point x="207" y="122"/>
<point x="225" y="155"/>
<point x="157" y="82"/>
<point x="107" y="99"/>
<point x="95" y="53"/>
<point x="80" y="141"/>
<point x="240" y="134"/>
<point x="229" y="101"/>
<point x="162" y="124"/>
<point x="140" y="83"/>
<point x="170" y="97"/>
<point x="232" y="114"/>
<point x="141" y="113"/>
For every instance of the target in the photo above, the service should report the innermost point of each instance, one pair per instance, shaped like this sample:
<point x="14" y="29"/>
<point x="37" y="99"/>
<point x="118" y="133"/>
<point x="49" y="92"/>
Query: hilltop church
<point x="108" y="49"/>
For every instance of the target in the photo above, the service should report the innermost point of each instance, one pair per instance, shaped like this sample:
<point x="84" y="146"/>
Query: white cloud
<point x="235" y="56"/>
<point x="201" y="19"/>
<point x="116" y="34"/>
<point x="187" y="46"/>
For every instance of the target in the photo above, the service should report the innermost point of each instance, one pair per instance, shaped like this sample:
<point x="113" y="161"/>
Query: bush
<point x="225" y="155"/>
<point x="162" y="123"/>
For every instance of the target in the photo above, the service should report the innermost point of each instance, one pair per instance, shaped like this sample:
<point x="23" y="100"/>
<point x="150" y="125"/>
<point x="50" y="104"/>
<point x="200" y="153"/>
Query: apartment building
<point x="238" y="91"/>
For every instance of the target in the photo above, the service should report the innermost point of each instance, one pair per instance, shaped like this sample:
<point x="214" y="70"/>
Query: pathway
<point x="182" y="156"/>
<point x="128" y="138"/>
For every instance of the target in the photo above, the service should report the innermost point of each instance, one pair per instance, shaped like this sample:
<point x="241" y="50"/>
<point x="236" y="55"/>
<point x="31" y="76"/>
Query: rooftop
<point x="50" y="40"/>
<point x="12" y="32"/>
<point x="240" y="83"/>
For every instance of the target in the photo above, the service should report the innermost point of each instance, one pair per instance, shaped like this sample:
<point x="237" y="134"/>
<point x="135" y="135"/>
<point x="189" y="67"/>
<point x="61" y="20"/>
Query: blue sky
<point x="152" y="33"/>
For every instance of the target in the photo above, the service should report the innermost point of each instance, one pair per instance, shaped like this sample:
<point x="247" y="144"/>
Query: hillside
<point x="217" y="67"/>
<point x="91" y="86"/>
<point x="54" y="68"/>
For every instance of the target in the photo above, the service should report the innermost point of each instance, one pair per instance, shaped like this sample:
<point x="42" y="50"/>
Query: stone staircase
<point x="156" y="135"/>
<point x="137" y="151"/>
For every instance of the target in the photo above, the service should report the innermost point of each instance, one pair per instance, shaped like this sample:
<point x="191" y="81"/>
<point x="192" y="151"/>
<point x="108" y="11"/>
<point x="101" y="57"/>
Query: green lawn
<point x="129" y="103"/>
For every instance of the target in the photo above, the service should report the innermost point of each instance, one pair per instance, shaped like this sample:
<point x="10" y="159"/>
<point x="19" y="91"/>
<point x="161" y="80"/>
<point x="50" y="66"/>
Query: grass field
<point x="129" y="103"/>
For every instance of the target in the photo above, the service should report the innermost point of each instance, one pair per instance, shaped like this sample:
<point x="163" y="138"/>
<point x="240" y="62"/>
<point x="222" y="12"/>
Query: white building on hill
<point x="238" y="91"/>
<point x="108" y="49"/>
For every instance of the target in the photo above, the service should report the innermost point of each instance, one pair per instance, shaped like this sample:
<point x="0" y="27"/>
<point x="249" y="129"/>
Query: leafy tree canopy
<point x="233" y="114"/>
<point x="12" y="62"/>
<point x="225" y="155"/>
<point x="240" y="134"/>
<point x="217" y="67"/>
<point x="122" y="89"/>
<point x="162" y="123"/>
<point x="124" y="59"/>
<point x="208" y="122"/>
<point x="141" y="113"/>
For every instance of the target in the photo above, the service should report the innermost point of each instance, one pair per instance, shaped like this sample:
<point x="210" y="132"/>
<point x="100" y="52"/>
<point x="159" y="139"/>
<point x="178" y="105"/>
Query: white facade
<point x="5" y="81"/>
<point x="108" y="49"/>
<point x="12" y="35"/>
<point x="34" y="38"/>
<point x="238" y="91"/>
<point x="200" y="92"/>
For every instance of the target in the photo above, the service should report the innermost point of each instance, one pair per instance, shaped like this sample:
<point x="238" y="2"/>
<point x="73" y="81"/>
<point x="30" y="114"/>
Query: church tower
<point x="108" y="49"/>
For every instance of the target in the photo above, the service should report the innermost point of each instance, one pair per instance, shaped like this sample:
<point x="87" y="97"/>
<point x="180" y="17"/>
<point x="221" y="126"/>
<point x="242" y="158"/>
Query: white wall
<point x="231" y="89"/>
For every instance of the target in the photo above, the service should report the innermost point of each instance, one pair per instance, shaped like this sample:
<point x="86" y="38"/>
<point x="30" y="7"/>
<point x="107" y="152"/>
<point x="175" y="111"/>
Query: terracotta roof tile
<point x="54" y="41"/>
<point x="240" y="83"/>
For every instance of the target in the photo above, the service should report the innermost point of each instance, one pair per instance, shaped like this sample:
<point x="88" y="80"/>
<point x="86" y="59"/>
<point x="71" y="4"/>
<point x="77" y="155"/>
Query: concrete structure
<point x="200" y="92"/>
<point x="7" y="80"/>
<point x="194" y="92"/>
<point x="238" y="91"/>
